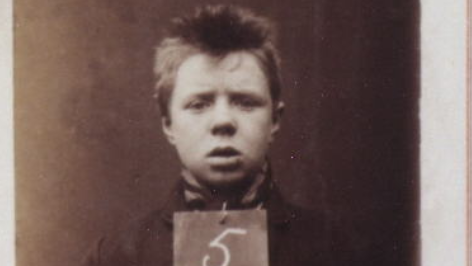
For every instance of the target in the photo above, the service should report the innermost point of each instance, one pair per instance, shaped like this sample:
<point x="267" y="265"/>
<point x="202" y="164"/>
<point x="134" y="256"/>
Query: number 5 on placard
<point x="216" y="243"/>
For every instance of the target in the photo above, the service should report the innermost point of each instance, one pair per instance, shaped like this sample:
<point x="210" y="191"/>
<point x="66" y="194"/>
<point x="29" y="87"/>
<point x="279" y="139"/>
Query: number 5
<point x="217" y="244"/>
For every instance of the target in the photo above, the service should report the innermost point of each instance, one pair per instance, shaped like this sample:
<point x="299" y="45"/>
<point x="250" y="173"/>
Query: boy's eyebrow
<point x="210" y="95"/>
<point x="202" y="95"/>
<point x="239" y="95"/>
<point x="206" y="95"/>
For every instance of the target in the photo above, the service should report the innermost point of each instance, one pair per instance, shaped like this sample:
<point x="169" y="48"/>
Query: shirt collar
<point x="199" y="197"/>
<point x="269" y="196"/>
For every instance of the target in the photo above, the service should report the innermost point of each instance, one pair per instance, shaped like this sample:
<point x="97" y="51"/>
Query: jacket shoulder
<point x="123" y="247"/>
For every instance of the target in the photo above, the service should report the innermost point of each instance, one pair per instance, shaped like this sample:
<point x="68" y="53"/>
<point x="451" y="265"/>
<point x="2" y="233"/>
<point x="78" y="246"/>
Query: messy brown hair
<point x="215" y="31"/>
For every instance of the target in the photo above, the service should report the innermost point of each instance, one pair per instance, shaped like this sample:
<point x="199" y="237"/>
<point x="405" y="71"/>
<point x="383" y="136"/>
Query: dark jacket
<point x="296" y="237"/>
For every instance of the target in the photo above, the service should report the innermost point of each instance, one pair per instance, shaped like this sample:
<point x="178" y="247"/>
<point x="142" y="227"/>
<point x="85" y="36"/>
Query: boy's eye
<point x="198" y="105"/>
<point x="247" y="103"/>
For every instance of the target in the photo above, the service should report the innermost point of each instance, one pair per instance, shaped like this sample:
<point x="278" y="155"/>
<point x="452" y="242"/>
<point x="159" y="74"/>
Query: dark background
<point x="90" y="154"/>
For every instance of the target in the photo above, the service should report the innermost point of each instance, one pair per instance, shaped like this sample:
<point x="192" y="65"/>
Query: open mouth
<point x="225" y="159"/>
<point x="224" y="152"/>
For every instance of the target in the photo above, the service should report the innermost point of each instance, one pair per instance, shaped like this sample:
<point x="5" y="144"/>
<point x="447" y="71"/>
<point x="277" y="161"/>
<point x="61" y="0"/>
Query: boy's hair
<point x="215" y="31"/>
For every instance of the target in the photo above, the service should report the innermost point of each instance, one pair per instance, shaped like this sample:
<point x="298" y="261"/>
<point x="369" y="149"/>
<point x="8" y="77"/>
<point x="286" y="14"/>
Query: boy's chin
<point x="226" y="180"/>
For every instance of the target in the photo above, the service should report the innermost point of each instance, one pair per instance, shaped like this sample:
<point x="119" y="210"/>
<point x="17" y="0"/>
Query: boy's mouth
<point x="225" y="159"/>
<point x="224" y="152"/>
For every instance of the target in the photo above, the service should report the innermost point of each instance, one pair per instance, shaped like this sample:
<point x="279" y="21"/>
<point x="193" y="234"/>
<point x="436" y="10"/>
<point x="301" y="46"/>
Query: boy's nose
<point x="224" y="122"/>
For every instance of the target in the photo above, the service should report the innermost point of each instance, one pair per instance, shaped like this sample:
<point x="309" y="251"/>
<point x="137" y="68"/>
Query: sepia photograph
<point x="232" y="133"/>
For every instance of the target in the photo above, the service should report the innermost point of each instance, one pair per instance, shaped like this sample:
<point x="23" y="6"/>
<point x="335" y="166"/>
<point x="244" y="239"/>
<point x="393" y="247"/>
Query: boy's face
<point x="222" y="117"/>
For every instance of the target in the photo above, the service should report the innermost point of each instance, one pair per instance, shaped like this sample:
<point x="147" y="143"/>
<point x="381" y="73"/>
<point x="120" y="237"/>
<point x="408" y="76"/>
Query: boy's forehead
<point x="233" y="61"/>
<point x="239" y="67"/>
<point x="227" y="62"/>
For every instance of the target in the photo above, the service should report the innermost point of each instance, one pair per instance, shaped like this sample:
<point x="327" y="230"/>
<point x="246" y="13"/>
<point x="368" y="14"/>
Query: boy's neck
<point x="242" y="193"/>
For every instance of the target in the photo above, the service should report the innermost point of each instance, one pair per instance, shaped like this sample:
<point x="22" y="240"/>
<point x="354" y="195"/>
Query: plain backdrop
<point x="89" y="150"/>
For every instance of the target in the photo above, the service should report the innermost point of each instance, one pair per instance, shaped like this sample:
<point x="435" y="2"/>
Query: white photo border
<point x="7" y="208"/>
<point x="445" y="133"/>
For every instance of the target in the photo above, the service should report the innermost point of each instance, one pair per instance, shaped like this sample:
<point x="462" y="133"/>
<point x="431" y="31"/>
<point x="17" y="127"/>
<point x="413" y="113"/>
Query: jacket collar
<point x="246" y="197"/>
<point x="278" y="210"/>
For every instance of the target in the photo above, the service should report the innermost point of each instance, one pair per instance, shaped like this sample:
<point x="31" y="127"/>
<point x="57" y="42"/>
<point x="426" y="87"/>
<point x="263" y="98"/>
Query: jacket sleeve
<point x="116" y="250"/>
<point x="94" y="255"/>
<point x="109" y="252"/>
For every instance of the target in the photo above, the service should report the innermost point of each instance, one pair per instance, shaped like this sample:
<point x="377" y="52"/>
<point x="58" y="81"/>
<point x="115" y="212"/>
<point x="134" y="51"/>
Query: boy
<point x="218" y="89"/>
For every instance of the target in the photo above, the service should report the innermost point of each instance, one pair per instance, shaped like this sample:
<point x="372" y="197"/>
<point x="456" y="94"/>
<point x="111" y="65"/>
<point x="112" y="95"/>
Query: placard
<point x="221" y="238"/>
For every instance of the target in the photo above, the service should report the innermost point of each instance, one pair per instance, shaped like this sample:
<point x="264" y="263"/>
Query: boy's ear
<point x="167" y="129"/>
<point x="276" y="118"/>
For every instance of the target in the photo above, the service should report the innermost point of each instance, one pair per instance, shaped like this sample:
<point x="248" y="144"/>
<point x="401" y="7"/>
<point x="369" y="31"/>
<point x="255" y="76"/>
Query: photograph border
<point x="446" y="186"/>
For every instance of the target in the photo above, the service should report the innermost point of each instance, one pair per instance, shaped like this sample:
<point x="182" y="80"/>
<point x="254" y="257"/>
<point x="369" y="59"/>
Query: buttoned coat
<point x="296" y="237"/>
